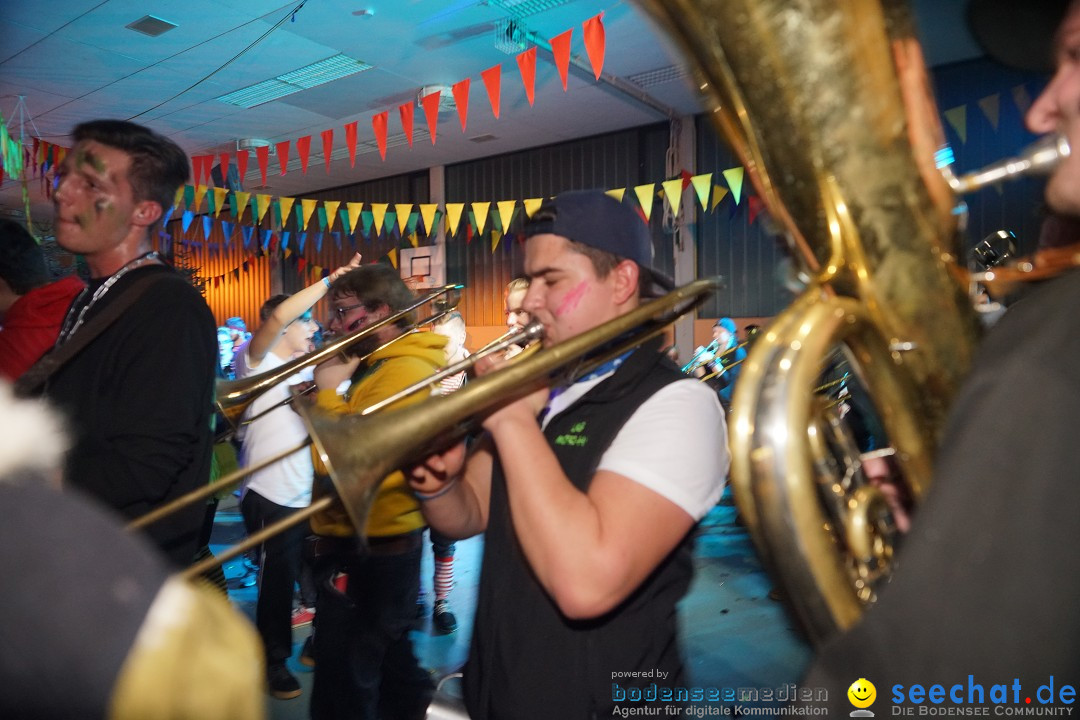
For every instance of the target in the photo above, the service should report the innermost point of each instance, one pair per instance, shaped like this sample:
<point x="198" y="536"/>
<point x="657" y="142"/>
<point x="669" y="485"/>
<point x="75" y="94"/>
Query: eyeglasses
<point x="341" y="312"/>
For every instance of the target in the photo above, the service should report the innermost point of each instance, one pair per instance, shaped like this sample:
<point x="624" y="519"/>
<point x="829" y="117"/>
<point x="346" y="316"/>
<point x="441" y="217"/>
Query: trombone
<point x="360" y="450"/>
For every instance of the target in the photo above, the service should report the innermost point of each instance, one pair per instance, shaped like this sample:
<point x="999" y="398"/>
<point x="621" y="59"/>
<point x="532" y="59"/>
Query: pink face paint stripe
<point x="572" y="299"/>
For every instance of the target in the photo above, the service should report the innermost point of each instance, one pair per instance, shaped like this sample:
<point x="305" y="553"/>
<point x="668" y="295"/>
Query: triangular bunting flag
<point x="492" y="78"/>
<point x="402" y="210"/>
<point x="285" y="235"/>
<point x="286" y="205"/>
<point x="496" y="236"/>
<point x="527" y="65"/>
<point x="241" y="204"/>
<point x="560" y="48"/>
<point x="247" y="231"/>
<point x="207" y="223"/>
<point x="223" y="163"/>
<point x="200" y="193"/>
<point x="480" y="213"/>
<point x="389" y="221"/>
<point x="354" y="213"/>
<point x="350" y="142"/>
<point x="219" y="199"/>
<point x="461" y="99"/>
<point x="392" y="256"/>
<point x="1021" y="98"/>
<point x="406" y="113"/>
<point x="717" y="196"/>
<point x="453" y="216"/>
<point x="323" y="220"/>
<point x="618" y="193"/>
<point x="345" y="224"/>
<point x="262" y="204"/>
<point x="378" y="124"/>
<point x="506" y="213"/>
<point x="262" y="155"/>
<point x="189" y="197"/>
<point x="301" y="240"/>
<point x="957" y="117"/>
<point x="366" y="221"/>
<point x="331" y="211"/>
<point x="179" y="196"/>
<point x="734" y="177"/>
<point x="702" y="184"/>
<point x="303" y="147"/>
<point x="673" y="192"/>
<point x="532" y="205"/>
<point x="185" y="221"/>
<point x="991" y="107"/>
<point x="327" y="147"/>
<point x="431" y="112"/>
<point x="241" y="164"/>
<point x="594" y="43"/>
<point x="410" y="226"/>
<point x="283" y="155"/>
<point x="754" y="206"/>
<point x="645" y="198"/>
<point x="427" y="214"/>
<point x="378" y="214"/>
<point x="308" y="207"/>
<point x="227" y="231"/>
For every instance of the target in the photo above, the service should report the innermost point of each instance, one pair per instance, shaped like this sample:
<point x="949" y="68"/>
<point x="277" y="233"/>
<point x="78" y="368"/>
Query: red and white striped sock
<point x="444" y="577"/>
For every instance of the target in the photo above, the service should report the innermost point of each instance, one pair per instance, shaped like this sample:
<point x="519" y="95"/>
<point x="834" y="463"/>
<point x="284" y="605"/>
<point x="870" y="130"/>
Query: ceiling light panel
<point x="309" y="76"/>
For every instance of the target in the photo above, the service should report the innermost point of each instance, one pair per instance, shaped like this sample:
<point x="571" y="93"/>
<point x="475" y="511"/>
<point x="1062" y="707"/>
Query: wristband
<point x="424" y="497"/>
<point x="326" y="282"/>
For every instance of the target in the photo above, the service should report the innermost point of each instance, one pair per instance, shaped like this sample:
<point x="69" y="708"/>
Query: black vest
<point x="527" y="660"/>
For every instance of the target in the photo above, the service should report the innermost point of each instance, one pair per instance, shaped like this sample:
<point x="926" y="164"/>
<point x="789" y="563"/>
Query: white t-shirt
<point x="675" y="443"/>
<point x="288" y="481"/>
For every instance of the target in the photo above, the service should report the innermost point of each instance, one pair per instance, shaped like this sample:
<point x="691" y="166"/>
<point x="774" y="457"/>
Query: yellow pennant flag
<point x="532" y="205"/>
<point x="355" y="208"/>
<point x="307" y="207"/>
<point x="645" y="195"/>
<point x="496" y="236"/>
<point x="673" y="192"/>
<point x="453" y="216"/>
<point x="262" y="202"/>
<point x="393" y="253"/>
<point x="957" y="117"/>
<point x="378" y="213"/>
<point x="241" y="204"/>
<point x="718" y="194"/>
<point x="427" y="214"/>
<point x="179" y="197"/>
<point x="617" y="194"/>
<point x="506" y="213"/>
<point x="734" y="177"/>
<point x="288" y="253"/>
<point x="402" y="210"/>
<point x="480" y="212"/>
<point x="702" y="184"/>
<point x="331" y="212"/>
<point x="200" y="193"/>
<point x="991" y="107"/>
<point x="414" y="239"/>
<point x="219" y="199"/>
<point x="285" y="205"/>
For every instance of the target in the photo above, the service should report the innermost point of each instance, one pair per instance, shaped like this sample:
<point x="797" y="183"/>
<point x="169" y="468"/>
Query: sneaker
<point x="302" y="616"/>
<point x="421" y="610"/>
<point x="442" y="619"/>
<point x="307" y="653"/>
<point x="282" y="684"/>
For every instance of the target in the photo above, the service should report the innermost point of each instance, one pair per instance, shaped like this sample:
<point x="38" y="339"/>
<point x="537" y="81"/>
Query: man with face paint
<point x="138" y="397"/>
<point x="989" y="576"/>
<point x="588" y="493"/>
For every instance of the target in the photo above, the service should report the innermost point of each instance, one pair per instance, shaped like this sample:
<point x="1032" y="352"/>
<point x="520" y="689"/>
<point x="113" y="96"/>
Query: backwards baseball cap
<point x="1017" y="33"/>
<point x="593" y="218"/>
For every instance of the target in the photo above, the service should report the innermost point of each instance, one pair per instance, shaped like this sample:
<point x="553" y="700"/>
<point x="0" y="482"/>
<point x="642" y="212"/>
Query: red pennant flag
<point x="594" y="43"/>
<point x="685" y="179"/>
<point x="461" y="98"/>
<point x="468" y="232"/>
<point x="560" y="48"/>
<point x="225" y="158"/>
<point x="378" y="124"/>
<point x="431" y="112"/>
<point x="350" y="142"/>
<point x="196" y="168"/>
<point x="283" y="155"/>
<point x="493" y="82"/>
<point x="327" y="147"/>
<point x="406" y="113"/>
<point x="527" y="64"/>
<point x="262" y="154"/>
<point x="301" y="264"/>
<point x="241" y="164"/>
<point x="303" y="146"/>
<point x="754" y="207"/>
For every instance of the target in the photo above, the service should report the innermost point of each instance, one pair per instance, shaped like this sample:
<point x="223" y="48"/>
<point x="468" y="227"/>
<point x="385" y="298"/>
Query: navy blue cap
<point x="1017" y="33"/>
<point x="593" y="218"/>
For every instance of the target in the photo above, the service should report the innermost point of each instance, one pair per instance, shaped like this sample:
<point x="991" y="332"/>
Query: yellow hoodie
<point x="395" y="510"/>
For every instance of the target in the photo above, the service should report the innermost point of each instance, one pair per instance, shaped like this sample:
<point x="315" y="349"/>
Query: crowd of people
<point x="587" y="491"/>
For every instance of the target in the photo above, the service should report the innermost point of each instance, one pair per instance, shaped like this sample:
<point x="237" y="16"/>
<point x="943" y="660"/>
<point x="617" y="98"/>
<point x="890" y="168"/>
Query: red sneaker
<point x="302" y="616"/>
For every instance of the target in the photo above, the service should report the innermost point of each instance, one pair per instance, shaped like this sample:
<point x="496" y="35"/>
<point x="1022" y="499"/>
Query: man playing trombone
<point x="588" y="493"/>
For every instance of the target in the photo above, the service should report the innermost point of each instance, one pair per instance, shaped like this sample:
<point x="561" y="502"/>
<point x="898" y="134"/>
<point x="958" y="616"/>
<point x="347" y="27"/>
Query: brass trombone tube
<point x="532" y="331"/>
<point x="207" y="490"/>
<point x="1040" y="157"/>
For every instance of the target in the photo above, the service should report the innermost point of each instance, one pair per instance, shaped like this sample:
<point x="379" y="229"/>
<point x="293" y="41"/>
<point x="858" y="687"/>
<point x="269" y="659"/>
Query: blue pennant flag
<point x="266" y="238"/>
<point x="337" y="239"/>
<point x="188" y="217"/>
<point x="301" y="239"/>
<point x="285" y="238"/>
<point x="168" y="215"/>
<point x="226" y="230"/>
<point x="247" y="231"/>
<point x="206" y="223"/>
<point x="318" y="242"/>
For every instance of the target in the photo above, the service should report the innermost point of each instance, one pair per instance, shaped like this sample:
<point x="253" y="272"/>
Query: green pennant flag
<point x="322" y="218"/>
<point x="344" y="215"/>
<point x="389" y="220"/>
<point x="189" y="196"/>
<point x="410" y="227"/>
<point x="366" y="221"/>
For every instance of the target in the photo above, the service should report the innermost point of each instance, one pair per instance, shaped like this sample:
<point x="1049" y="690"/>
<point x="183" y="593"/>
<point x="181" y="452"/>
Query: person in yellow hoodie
<point x="365" y="664"/>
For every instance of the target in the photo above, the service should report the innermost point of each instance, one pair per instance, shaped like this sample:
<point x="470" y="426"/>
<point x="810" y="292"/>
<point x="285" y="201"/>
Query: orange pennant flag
<point x="560" y="48"/>
<point x="350" y="142"/>
<point x="493" y="82"/>
<point x="262" y="154"/>
<point x="461" y="99"/>
<point x="283" y="155"/>
<point x="594" y="43"/>
<point x="406" y="113"/>
<point x="431" y="112"/>
<point x="378" y="124"/>
<point x="327" y="147"/>
<point x="527" y="64"/>
<point x="303" y="146"/>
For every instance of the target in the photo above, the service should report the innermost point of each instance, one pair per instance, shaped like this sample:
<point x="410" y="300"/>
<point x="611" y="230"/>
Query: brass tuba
<point x="828" y="106"/>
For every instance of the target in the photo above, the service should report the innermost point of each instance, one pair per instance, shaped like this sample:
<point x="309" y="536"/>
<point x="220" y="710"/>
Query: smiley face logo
<point x="862" y="693"/>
